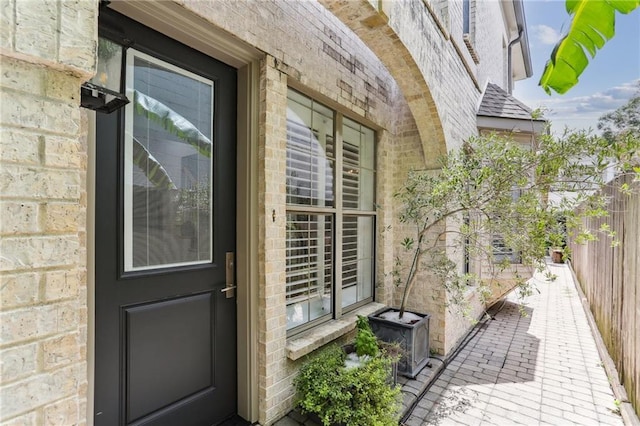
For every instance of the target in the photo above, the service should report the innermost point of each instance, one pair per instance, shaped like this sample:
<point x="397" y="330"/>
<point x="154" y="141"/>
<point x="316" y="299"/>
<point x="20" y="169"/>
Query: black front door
<point x="165" y="221"/>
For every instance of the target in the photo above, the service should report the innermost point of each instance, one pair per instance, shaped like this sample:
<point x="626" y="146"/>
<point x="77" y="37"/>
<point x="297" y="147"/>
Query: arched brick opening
<point x="372" y="28"/>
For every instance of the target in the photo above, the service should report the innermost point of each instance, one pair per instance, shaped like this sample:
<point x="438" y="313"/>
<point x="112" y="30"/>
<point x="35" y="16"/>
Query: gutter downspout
<point x="521" y="25"/>
<point x="509" y="72"/>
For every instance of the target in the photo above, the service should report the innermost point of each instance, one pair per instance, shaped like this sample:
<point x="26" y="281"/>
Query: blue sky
<point x="608" y="82"/>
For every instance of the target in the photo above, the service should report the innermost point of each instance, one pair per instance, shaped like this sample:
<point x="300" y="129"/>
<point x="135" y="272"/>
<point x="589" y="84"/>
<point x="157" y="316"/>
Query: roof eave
<point x="506" y="124"/>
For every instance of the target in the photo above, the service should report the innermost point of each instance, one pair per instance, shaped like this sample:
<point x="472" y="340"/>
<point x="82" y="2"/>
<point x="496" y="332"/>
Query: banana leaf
<point x="151" y="167"/>
<point x="172" y="122"/>
<point x="593" y="24"/>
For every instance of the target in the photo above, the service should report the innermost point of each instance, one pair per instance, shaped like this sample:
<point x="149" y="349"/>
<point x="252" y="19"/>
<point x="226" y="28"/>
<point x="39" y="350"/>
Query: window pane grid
<point x="308" y="267"/>
<point x="357" y="170"/>
<point x="310" y="156"/>
<point x="313" y="154"/>
<point x="357" y="259"/>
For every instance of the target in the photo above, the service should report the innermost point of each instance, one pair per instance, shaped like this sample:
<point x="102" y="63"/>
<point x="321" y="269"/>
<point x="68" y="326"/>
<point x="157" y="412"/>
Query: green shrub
<point x="366" y="341"/>
<point x="355" y="397"/>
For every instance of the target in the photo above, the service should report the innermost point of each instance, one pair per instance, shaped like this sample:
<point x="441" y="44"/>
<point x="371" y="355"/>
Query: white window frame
<point x="128" y="254"/>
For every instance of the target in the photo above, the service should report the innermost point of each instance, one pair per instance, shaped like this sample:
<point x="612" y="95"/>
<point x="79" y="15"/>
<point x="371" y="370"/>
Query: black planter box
<point x="412" y="338"/>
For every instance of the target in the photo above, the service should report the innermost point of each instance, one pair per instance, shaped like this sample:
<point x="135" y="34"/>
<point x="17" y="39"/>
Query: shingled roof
<point x="498" y="103"/>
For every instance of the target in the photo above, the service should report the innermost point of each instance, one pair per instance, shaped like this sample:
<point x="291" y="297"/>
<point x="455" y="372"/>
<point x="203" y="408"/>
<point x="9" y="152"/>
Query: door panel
<point x="165" y="219"/>
<point x="168" y="360"/>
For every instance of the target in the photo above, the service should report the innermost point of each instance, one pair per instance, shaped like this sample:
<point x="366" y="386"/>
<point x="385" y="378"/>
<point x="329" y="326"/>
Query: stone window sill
<point x="305" y="343"/>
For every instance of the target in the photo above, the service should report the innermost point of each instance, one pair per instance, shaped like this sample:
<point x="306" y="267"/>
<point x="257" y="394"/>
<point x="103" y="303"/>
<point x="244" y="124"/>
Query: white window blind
<point x="314" y="247"/>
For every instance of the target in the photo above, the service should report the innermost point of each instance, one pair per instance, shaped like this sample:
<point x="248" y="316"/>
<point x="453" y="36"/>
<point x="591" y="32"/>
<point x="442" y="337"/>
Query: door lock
<point x="230" y="272"/>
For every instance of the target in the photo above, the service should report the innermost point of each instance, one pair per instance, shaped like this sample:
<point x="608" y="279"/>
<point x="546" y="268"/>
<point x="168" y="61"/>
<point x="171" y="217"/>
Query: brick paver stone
<point x="540" y="368"/>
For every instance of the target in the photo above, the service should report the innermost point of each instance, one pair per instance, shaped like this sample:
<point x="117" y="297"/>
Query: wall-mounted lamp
<point x="102" y="92"/>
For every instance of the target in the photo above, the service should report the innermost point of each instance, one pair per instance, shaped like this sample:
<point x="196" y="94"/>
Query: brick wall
<point x="309" y="48"/>
<point x="49" y="50"/>
<point x="46" y="52"/>
<point x="314" y="48"/>
<point x="489" y="40"/>
<point x="272" y="321"/>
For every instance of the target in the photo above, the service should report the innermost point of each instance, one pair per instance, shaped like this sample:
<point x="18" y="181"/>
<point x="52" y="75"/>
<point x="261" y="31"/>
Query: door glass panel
<point x="168" y="165"/>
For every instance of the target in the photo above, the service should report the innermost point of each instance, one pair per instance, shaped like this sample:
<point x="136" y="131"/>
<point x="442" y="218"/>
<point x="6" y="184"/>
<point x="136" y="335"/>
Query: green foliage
<point x="592" y="25"/>
<point x="356" y="397"/>
<point x="366" y="341"/>
<point x="624" y="120"/>
<point x="526" y="195"/>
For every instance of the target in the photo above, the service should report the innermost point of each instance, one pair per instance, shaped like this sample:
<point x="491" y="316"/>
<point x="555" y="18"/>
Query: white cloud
<point x="545" y="34"/>
<point x="584" y="111"/>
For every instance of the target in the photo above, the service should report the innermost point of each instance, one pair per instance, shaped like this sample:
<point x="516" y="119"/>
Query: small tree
<point x="624" y="120"/>
<point x="495" y="188"/>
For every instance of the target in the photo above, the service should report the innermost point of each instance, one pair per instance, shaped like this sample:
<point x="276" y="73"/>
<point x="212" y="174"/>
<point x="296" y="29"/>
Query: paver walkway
<point x="538" y="369"/>
<point x="542" y="368"/>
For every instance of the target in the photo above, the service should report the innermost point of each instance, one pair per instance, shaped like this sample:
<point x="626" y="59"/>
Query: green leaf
<point x="407" y="243"/>
<point x="172" y="122"/>
<point x="592" y="25"/>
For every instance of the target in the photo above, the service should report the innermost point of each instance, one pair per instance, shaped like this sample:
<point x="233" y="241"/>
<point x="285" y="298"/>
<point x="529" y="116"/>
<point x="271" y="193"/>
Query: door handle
<point x="229" y="289"/>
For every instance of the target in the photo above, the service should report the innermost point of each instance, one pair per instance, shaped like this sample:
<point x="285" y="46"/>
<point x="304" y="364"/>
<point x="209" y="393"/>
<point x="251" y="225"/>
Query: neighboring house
<point x="173" y="261"/>
<point x="499" y="112"/>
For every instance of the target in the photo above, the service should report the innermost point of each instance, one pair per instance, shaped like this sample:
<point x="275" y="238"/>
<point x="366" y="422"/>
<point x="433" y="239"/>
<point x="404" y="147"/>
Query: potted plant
<point x="350" y="388"/>
<point x="556" y="254"/>
<point x="410" y="333"/>
<point x="409" y="330"/>
<point x="490" y="195"/>
<point x="557" y="244"/>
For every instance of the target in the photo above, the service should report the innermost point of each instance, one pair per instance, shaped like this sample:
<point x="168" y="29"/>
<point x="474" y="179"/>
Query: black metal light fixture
<point x="102" y="93"/>
<point x="101" y="99"/>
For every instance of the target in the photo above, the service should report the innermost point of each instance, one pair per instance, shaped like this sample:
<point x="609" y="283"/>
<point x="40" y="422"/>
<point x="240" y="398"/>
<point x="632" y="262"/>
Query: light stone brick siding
<point x="454" y="92"/>
<point x="310" y="50"/>
<point x="314" y="48"/>
<point x="272" y="333"/>
<point x="446" y="72"/>
<point x="457" y="325"/>
<point x="489" y="41"/>
<point x="46" y="51"/>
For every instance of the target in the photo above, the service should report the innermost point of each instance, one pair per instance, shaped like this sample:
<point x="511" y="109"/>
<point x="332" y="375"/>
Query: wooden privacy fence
<point x="610" y="279"/>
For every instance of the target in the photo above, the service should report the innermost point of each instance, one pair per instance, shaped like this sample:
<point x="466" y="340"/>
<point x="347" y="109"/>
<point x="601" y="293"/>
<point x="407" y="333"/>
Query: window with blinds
<point x="500" y="248"/>
<point x="330" y="216"/>
<point x="501" y="251"/>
